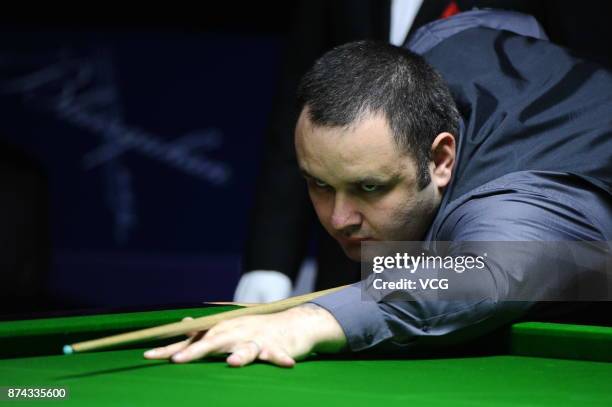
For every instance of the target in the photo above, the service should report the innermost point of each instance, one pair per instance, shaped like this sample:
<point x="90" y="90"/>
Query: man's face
<point x="361" y="185"/>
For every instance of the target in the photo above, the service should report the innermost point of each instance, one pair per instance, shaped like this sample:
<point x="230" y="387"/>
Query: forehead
<point x="366" y="148"/>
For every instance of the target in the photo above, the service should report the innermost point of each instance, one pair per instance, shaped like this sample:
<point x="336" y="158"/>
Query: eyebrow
<point x="359" y="181"/>
<point x="305" y="173"/>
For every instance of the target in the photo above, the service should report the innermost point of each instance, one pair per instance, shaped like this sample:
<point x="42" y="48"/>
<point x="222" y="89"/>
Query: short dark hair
<point x="373" y="77"/>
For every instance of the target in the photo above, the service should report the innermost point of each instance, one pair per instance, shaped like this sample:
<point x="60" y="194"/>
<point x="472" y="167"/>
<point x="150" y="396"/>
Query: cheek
<point x="390" y="215"/>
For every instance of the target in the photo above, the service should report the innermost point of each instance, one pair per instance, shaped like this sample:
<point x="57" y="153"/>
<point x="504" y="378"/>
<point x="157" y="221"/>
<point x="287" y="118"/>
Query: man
<point x="387" y="157"/>
<point x="282" y="222"/>
<point x="282" y="218"/>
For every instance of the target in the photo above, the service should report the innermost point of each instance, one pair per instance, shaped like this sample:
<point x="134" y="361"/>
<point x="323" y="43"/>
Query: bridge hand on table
<point x="281" y="338"/>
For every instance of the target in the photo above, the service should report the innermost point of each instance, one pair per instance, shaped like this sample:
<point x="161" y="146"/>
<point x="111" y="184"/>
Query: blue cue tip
<point x="68" y="350"/>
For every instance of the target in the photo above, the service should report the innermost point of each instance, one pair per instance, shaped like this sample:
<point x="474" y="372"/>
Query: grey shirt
<point x="520" y="206"/>
<point x="517" y="205"/>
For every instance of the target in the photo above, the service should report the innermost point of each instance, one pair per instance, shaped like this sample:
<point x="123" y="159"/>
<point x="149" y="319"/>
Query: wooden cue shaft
<point x="197" y="324"/>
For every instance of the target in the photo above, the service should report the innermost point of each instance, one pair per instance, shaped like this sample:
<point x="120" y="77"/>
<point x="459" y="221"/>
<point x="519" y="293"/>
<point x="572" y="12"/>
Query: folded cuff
<point x="361" y="319"/>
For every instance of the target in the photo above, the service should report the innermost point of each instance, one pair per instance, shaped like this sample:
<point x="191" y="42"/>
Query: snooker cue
<point x="197" y="324"/>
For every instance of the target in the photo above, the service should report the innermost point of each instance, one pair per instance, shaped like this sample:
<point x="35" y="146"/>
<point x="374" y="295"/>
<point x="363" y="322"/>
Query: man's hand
<point x="281" y="338"/>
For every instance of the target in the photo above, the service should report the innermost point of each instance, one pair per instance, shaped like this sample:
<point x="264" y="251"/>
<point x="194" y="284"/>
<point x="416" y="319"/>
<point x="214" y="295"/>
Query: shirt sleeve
<point x="422" y="324"/>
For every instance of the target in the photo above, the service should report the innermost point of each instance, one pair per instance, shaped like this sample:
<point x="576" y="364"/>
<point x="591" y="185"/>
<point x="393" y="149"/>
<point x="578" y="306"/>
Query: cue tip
<point x="68" y="350"/>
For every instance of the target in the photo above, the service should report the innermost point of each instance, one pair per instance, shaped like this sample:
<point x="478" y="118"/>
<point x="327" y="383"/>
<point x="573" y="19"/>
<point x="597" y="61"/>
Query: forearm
<point x="410" y="327"/>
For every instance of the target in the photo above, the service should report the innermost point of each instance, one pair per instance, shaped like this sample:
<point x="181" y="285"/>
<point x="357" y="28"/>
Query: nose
<point x="345" y="216"/>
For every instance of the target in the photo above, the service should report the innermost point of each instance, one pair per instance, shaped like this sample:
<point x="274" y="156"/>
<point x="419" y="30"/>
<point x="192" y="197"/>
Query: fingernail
<point x="150" y="352"/>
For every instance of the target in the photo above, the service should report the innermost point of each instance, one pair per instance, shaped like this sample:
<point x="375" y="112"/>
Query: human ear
<point x="443" y="153"/>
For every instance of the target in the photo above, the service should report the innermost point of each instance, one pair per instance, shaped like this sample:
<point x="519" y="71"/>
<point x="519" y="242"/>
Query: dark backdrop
<point x="140" y="136"/>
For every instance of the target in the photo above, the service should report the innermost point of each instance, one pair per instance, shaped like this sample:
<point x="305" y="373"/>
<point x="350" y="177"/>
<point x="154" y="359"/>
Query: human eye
<point x="319" y="183"/>
<point x="369" y="188"/>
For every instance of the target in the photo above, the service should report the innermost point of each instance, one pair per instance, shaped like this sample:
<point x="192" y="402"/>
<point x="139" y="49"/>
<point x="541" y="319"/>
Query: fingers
<point x="277" y="357"/>
<point x="241" y="355"/>
<point x="242" y="338"/>
<point x="167" y="351"/>
<point x="197" y="350"/>
<point x="244" y="354"/>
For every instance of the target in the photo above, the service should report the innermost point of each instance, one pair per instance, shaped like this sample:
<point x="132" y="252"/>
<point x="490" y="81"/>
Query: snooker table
<point x="544" y="364"/>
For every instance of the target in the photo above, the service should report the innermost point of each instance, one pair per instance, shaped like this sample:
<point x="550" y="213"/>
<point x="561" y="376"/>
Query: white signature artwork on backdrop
<point x="81" y="91"/>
